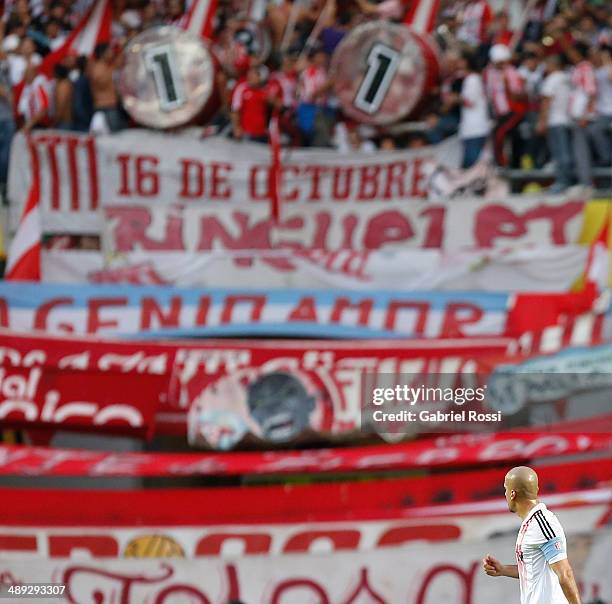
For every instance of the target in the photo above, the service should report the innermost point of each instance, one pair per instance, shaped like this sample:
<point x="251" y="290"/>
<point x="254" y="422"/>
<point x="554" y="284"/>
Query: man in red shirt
<point x="251" y="103"/>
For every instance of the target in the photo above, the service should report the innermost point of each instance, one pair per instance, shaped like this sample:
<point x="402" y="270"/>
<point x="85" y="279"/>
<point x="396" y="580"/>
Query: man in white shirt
<point x="474" y="122"/>
<point x="555" y="121"/>
<point x="542" y="567"/>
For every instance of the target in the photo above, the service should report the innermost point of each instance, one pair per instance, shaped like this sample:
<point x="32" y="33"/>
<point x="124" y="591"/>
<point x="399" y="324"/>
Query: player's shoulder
<point x="544" y="524"/>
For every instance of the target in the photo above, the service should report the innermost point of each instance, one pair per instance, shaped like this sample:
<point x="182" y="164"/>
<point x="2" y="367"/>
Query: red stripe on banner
<point x="94" y="192"/>
<point x="27" y="268"/>
<point x="34" y="194"/>
<point x="442" y="452"/>
<point x="283" y="504"/>
<point x="54" y="176"/>
<point x="73" y="171"/>
<point x="276" y="168"/>
<point x="18" y="543"/>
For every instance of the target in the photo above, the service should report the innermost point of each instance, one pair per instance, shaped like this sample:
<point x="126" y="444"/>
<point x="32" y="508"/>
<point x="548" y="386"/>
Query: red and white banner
<point x="352" y="225"/>
<point x="417" y="573"/>
<point x="106" y="386"/>
<point x="469" y="495"/>
<point x="23" y="262"/>
<point x="440" y="452"/>
<point x="79" y="172"/>
<point x="552" y="269"/>
<point x="220" y="393"/>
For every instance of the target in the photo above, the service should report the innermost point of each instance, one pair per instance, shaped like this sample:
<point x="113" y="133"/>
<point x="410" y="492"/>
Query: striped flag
<point x="199" y="19"/>
<point x="24" y="253"/>
<point x="93" y="28"/>
<point x="422" y="15"/>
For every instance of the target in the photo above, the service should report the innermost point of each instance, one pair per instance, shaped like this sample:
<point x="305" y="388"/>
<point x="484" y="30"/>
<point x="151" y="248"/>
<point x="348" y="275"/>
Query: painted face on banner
<point x="381" y="71"/>
<point x="167" y="77"/>
<point x="280" y="405"/>
<point x="274" y="406"/>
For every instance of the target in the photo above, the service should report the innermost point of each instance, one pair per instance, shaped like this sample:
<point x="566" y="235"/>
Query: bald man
<point x="545" y="574"/>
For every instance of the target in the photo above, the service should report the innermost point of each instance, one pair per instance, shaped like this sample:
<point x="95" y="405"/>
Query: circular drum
<point x="382" y="71"/>
<point x="166" y="78"/>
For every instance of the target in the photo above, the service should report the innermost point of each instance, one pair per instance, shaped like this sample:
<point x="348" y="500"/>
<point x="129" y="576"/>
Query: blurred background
<point x="228" y="226"/>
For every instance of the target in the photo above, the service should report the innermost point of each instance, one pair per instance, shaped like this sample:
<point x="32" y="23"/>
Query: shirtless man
<point x="105" y="98"/>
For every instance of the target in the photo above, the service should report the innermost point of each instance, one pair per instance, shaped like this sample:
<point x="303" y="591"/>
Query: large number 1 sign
<point x="161" y="65"/>
<point x="167" y="77"/>
<point x="382" y="71"/>
<point x="383" y="62"/>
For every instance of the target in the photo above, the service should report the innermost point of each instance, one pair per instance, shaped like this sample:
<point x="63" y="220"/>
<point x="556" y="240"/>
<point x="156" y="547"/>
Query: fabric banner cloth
<point x="164" y="311"/>
<point x="442" y="494"/>
<point x="108" y="532"/>
<point x="442" y="452"/>
<point x="551" y="269"/>
<point x="415" y="574"/>
<point x="221" y="392"/>
<point x="60" y="383"/>
<point x="351" y="225"/>
<point x="79" y="173"/>
<point x="129" y="310"/>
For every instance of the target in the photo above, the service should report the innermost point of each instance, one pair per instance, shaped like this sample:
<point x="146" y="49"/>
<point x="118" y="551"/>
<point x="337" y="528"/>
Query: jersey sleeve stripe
<point x="548" y="524"/>
<point x="546" y="531"/>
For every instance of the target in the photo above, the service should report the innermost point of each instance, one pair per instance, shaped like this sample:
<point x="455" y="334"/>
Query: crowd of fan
<point x="541" y="94"/>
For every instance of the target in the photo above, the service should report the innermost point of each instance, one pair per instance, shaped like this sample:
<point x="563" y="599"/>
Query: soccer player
<point x="542" y="568"/>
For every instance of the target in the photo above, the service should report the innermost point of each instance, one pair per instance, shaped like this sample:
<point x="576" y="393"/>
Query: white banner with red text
<point x="352" y="225"/>
<point x="81" y="173"/>
<point x="415" y="574"/>
<point x="550" y="269"/>
<point x="109" y="309"/>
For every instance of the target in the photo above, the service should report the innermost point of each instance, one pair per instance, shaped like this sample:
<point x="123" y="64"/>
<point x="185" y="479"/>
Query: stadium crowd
<point x="541" y="94"/>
